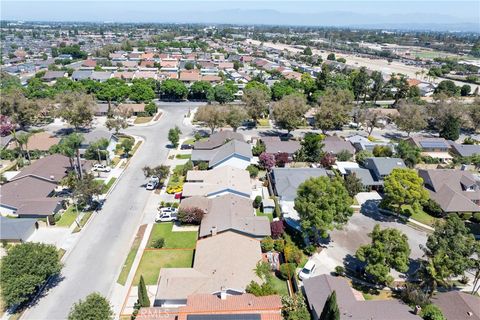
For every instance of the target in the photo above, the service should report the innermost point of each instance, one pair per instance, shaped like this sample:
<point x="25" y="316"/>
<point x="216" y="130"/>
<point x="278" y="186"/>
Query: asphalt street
<point x="94" y="263"/>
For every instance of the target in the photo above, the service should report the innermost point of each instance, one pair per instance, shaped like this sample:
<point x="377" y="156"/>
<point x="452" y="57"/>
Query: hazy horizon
<point x="449" y="15"/>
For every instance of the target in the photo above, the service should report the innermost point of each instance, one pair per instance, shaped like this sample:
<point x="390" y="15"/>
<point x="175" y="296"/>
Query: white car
<point x="307" y="270"/>
<point x="166" y="215"/>
<point x="101" y="168"/>
<point x="168" y="210"/>
<point x="151" y="185"/>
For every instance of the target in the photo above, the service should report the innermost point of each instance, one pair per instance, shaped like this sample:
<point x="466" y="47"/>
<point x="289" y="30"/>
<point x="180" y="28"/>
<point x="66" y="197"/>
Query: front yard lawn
<point x="109" y="184"/>
<point x="179" y="239"/>
<point x="153" y="260"/>
<point x="183" y="156"/>
<point x="67" y="218"/>
<point x="263" y="123"/>
<point x="420" y="216"/>
<point x="83" y="221"/>
<point x="140" y="120"/>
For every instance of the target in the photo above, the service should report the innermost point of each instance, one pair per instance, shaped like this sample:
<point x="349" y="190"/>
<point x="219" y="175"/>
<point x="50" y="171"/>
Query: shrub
<point x="476" y="217"/>
<point x="257" y="202"/>
<point x="382" y="151"/>
<point x="202" y="165"/>
<point x="327" y="160"/>
<point x="267" y="244"/>
<point x="344" y="155"/>
<point x="466" y="215"/>
<point x="190" y="215"/>
<point x="310" y="249"/>
<point x="258" y="148"/>
<point x="432" y="312"/>
<point x="277" y="228"/>
<point x="340" y="270"/>
<point x="413" y="295"/>
<point x="158" y="243"/>
<point x="287" y="270"/>
<point x="281" y="159"/>
<point x="433" y="208"/>
<point x="292" y="253"/>
<point x="279" y="245"/>
<point x="253" y="171"/>
<point x="258" y="290"/>
<point x="187" y="167"/>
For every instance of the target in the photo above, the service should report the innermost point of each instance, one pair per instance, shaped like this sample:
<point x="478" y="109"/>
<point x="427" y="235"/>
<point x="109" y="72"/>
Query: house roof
<point x="234" y="147"/>
<point x="50" y="168"/>
<point x="190" y="76"/>
<point x="448" y="188"/>
<point x="42" y="141"/>
<point x="287" y="180"/>
<point x="134" y="107"/>
<point x="465" y="150"/>
<point x="364" y="175"/>
<point x="95" y="135"/>
<point x="275" y="145"/>
<point x="335" y="145"/>
<point x="220" y="179"/>
<point x="458" y="305"/>
<point x="100" y="75"/>
<point x="54" y="75"/>
<point x="429" y="142"/>
<point x="81" y="74"/>
<point x="351" y="305"/>
<point x="16" y="229"/>
<point x="383" y="165"/>
<point x="217" y="139"/>
<point x="226" y="260"/>
<point x="228" y="212"/>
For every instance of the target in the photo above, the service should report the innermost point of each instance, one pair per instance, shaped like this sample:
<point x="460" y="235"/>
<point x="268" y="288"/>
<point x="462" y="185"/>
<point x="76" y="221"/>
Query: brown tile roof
<point x="211" y="78"/>
<point x="26" y="191"/>
<point x="189" y="76"/>
<point x="89" y="63"/>
<point x="126" y="75"/>
<point x="42" y="141"/>
<point x="458" y="305"/>
<point x="218" y="139"/>
<point x="51" y="168"/>
<point x="169" y="64"/>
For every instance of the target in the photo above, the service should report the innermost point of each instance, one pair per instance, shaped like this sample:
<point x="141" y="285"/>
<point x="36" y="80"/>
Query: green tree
<point x="353" y="184"/>
<point x="77" y="109"/>
<point x="141" y="91"/>
<point x="258" y="85"/>
<point x="307" y="51"/>
<point x="86" y="189"/>
<point x="330" y="309"/>
<point x="362" y="155"/>
<point x="174" y="136"/>
<point x="143" y="299"/>
<point x="199" y="90"/>
<point x="94" y="307"/>
<point x="212" y="116"/>
<point x="127" y="146"/>
<point x="389" y="249"/>
<point x="360" y="82"/>
<point x="294" y="307"/>
<point x="97" y="150"/>
<point x="151" y="108"/>
<point x="411" y="118"/>
<point x="113" y="90"/>
<point x="331" y="56"/>
<point x="323" y="204"/>
<point x="256" y="100"/>
<point x="283" y="88"/>
<point x="334" y="109"/>
<point x="399" y="83"/>
<point x="222" y="94"/>
<point x="432" y="312"/>
<point x="382" y="151"/>
<point x="25" y="268"/>
<point x="289" y="112"/>
<point x="465" y="90"/>
<point x="173" y="89"/>
<point x="235" y="116"/>
<point x="311" y="148"/>
<point x="474" y="114"/>
<point x="377" y="86"/>
<point x="404" y="187"/>
<point x="448" y="88"/>
<point x="408" y="152"/>
<point x="450" y="128"/>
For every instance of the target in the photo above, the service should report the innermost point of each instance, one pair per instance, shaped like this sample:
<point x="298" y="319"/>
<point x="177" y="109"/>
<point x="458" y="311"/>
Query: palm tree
<point x="22" y="142"/>
<point x="430" y="276"/>
<point x="71" y="148"/>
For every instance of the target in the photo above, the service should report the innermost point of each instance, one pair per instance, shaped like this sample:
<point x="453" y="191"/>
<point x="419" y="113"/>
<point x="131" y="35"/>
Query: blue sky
<point x="290" y="12"/>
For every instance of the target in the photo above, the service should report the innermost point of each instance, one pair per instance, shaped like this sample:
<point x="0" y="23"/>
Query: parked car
<point x="307" y="270"/>
<point x="101" y="168"/>
<point x="153" y="183"/>
<point x="186" y="146"/>
<point x="167" y="214"/>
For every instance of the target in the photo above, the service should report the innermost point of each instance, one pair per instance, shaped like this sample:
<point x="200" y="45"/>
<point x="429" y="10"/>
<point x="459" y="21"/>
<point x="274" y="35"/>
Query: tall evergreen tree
<point x="330" y="310"/>
<point x="143" y="299"/>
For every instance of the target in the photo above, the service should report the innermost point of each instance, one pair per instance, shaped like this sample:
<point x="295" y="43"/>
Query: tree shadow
<point x="353" y="266"/>
<point x="371" y="210"/>
<point x="52" y="283"/>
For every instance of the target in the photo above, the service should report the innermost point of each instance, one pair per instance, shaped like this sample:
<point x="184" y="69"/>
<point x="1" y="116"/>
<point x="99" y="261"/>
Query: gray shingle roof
<point x="465" y="150"/>
<point x="218" y="139"/>
<point x="458" y="305"/>
<point x="382" y="166"/>
<point x="287" y="180"/>
<point x="16" y="229"/>
<point x="234" y="147"/>
<point x="81" y="75"/>
<point x="275" y="145"/>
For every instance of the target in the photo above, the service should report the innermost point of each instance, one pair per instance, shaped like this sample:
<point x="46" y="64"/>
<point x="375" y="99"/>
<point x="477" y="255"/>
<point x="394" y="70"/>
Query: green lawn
<point x="109" y="184"/>
<point x="183" y="156"/>
<point x="176" y="179"/>
<point x="420" y="216"/>
<point x="268" y="215"/>
<point x="181" y="239"/>
<point x="83" y="221"/>
<point x="263" y="123"/>
<point x="140" y="120"/>
<point x="67" y="218"/>
<point x="281" y="286"/>
<point x="189" y="141"/>
<point x="122" y="278"/>
<point x="153" y="260"/>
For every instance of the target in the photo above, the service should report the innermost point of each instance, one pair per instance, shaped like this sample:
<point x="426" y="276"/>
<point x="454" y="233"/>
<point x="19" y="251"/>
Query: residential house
<point x="101" y="109"/>
<point x="41" y="141"/>
<point x="217" y="182"/>
<point x="224" y="262"/>
<point x="134" y="108"/>
<point x="228" y="212"/>
<point x="218" y="139"/>
<point x="362" y="143"/>
<point x="50" y="76"/>
<point x="234" y="153"/>
<point x="79" y="75"/>
<point x="94" y="136"/>
<point x="464" y="150"/>
<point x="190" y="76"/>
<point x="124" y="75"/>
<point x="458" y="305"/>
<point x="380" y="167"/>
<point x="284" y="183"/>
<point x="29" y="193"/>
<point x="17" y="230"/>
<point x="437" y="148"/>
<point x="335" y="145"/>
<point x="274" y="145"/>
<point x="351" y="303"/>
<point x="453" y="190"/>
<point x="219" y="306"/>
<point x="89" y="63"/>
<point x="100" y="76"/>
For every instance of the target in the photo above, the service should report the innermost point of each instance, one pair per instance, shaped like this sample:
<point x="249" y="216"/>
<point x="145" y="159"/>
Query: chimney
<point x="417" y="310"/>
<point x="213" y="231"/>
<point x="223" y="293"/>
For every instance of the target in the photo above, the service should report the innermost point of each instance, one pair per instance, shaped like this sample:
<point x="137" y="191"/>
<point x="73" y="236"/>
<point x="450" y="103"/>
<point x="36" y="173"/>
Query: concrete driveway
<point x="95" y="261"/>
